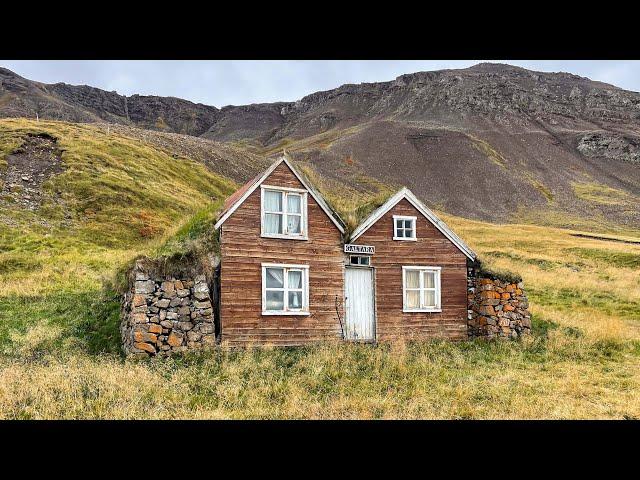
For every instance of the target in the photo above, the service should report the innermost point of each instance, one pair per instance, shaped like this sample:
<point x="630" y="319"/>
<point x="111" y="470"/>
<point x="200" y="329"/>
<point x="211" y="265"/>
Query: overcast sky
<point x="222" y="82"/>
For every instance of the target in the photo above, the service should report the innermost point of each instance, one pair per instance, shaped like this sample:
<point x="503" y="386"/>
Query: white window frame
<point x="305" y="289"/>
<point x="359" y="263"/>
<point x="303" y="235"/>
<point x="437" y="289"/>
<point x="395" y="227"/>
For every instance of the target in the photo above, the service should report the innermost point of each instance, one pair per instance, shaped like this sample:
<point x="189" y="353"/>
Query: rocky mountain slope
<point x="20" y="97"/>
<point x="493" y="141"/>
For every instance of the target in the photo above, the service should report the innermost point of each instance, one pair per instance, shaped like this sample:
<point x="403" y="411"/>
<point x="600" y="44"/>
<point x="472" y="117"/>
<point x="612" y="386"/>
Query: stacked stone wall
<point x="497" y="308"/>
<point x="166" y="314"/>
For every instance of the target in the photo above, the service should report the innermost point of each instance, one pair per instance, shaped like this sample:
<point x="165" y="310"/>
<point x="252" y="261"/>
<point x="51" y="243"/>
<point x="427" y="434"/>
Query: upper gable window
<point x="284" y="212"/>
<point x="404" y="228"/>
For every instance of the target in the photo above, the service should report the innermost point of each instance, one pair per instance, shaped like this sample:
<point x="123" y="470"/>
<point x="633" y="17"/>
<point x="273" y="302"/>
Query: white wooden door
<point x="359" y="306"/>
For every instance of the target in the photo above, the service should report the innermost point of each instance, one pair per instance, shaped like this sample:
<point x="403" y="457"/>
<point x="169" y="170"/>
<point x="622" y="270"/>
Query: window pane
<point x="412" y="278"/>
<point x="272" y="223"/>
<point x="413" y="298"/>
<point x="294" y="203"/>
<point x="399" y="225"/>
<point x="429" y="298"/>
<point x="429" y="279"/>
<point x="364" y="260"/>
<point x="293" y="224"/>
<point x="295" y="279"/>
<point x="275" y="300"/>
<point x="295" y="300"/>
<point x="272" y="201"/>
<point x="408" y="224"/>
<point x="408" y="233"/>
<point x="275" y="278"/>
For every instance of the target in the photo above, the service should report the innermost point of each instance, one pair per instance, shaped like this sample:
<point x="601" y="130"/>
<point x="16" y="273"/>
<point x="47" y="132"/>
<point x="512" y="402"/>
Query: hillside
<point x="100" y="196"/>
<point x="491" y="142"/>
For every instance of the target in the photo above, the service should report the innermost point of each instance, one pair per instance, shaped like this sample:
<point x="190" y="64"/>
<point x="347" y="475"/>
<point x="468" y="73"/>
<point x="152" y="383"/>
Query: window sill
<point x="284" y="237"/>
<point x="406" y="239"/>
<point x="273" y="312"/>
<point x="422" y="310"/>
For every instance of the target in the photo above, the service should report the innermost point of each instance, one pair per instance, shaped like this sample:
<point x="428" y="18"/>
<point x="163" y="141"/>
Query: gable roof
<point x="240" y="195"/>
<point x="432" y="217"/>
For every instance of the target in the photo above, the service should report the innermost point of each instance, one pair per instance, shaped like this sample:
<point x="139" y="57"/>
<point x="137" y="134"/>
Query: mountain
<point x="20" y="97"/>
<point x="492" y="142"/>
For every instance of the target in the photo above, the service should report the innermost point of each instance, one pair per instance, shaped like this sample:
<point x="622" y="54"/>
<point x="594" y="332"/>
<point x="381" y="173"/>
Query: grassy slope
<point x="121" y="197"/>
<point x="59" y="341"/>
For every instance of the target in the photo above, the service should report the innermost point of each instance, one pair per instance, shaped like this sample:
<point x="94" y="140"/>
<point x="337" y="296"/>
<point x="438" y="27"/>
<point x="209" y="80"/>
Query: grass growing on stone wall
<point x="59" y="345"/>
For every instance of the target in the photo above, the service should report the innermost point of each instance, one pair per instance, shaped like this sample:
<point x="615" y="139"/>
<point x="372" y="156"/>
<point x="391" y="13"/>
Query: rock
<point x="168" y="287"/>
<point x="139" y="318"/>
<point x="144" y="286"/>
<point x="206" y="328"/>
<point x="155" y="328"/>
<point x="166" y="324"/>
<point x="175" y="339"/>
<point x="172" y="316"/>
<point x="193" y="336"/>
<point x="185" y="326"/>
<point x="486" y="310"/>
<point x="179" y="285"/>
<point x="163" y="303"/>
<point x="183" y="293"/>
<point x="141" y="276"/>
<point x="139" y="300"/>
<point x="139" y="336"/>
<point x="145" y="346"/>
<point x="201" y="291"/>
<point x="175" y="302"/>
<point x="203" y="305"/>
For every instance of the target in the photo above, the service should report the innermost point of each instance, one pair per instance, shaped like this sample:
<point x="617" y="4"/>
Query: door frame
<point x="375" y="303"/>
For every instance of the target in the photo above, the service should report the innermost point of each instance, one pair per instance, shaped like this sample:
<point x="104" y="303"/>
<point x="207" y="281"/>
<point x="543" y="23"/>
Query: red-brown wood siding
<point x="431" y="248"/>
<point x="243" y="251"/>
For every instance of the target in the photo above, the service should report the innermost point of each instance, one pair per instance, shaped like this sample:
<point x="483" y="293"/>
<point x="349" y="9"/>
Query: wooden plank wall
<point x="243" y="251"/>
<point x="431" y="248"/>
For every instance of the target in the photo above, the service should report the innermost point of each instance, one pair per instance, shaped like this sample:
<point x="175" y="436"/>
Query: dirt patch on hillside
<point x="28" y="167"/>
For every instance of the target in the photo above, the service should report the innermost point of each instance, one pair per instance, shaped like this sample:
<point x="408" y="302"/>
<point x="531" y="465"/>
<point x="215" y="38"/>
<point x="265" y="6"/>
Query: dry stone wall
<point x="166" y="314"/>
<point x="497" y="308"/>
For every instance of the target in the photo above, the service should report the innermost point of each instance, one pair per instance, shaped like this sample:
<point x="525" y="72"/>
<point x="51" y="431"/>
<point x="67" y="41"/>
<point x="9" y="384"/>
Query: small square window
<point x="404" y="228"/>
<point x="360" y="260"/>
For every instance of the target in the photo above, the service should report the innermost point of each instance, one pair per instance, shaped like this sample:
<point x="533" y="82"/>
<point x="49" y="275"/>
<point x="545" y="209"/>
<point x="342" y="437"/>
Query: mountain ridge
<point x="493" y="141"/>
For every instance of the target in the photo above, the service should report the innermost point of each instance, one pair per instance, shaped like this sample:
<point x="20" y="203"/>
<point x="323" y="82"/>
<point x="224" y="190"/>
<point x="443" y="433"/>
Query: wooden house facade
<point x="290" y="275"/>
<point x="281" y="262"/>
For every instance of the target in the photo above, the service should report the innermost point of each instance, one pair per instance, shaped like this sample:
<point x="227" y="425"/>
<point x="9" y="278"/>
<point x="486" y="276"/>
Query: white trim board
<point x="316" y="196"/>
<point x="432" y="217"/>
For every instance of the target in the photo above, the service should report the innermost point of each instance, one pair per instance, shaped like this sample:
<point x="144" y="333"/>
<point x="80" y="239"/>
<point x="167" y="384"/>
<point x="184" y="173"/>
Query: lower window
<point x="285" y="289"/>
<point x="421" y="289"/>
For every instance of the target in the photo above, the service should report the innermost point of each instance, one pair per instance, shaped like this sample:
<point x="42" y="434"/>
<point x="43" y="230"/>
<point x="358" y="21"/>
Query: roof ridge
<point x="393" y="200"/>
<point x="240" y="195"/>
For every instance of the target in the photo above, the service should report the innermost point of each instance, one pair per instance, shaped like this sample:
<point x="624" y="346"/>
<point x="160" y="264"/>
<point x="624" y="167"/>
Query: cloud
<point x="238" y="82"/>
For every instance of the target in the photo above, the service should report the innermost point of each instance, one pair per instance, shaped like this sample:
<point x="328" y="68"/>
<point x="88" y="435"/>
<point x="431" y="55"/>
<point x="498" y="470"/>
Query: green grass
<point x="59" y="339"/>
<point x="491" y="153"/>
<point x="601" y="194"/>
<point x="616" y="259"/>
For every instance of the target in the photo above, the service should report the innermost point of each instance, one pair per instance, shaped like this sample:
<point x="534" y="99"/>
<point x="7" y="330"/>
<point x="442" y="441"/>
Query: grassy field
<point x="59" y="339"/>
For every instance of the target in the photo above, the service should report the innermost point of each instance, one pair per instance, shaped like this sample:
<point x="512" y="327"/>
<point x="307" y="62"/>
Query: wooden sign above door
<point x="361" y="249"/>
